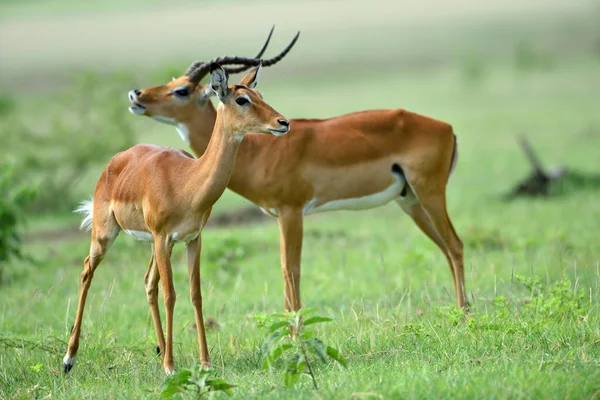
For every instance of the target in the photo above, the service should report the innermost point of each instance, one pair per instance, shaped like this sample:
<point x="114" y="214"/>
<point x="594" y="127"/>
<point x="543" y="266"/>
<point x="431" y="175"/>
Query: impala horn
<point x="196" y="74"/>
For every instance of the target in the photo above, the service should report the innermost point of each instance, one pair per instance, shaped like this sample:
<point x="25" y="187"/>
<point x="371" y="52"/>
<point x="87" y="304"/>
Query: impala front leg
<point x="162" y="251"/>
<point x="193" y="249"/>
<point x="151" y="280"/>
<point x="291" y="232"/>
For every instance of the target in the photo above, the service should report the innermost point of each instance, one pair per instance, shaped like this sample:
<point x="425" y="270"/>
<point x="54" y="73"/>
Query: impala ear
<point x="218" y="81"/>
<point x="251" y="78"/>
<point x="206" y="93"/>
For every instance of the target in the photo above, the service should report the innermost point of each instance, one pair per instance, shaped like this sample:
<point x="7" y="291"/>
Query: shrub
<point x="279" y="343"/>
<point x="14" y="197"/>
<point x="195" y="379"/>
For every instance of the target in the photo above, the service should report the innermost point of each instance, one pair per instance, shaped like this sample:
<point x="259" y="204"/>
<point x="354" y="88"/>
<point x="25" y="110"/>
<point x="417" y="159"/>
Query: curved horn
<point x="197" y="64"/>
<point x="196" y="75"/>
<point x="266" y="63"/>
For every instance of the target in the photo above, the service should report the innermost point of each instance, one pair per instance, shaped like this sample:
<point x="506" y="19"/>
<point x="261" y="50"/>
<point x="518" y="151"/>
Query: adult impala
<point x="165" y="196"/>
<point x="355" y="161"/>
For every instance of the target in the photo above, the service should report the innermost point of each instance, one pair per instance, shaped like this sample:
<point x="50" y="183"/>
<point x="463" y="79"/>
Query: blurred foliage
<point x="473" y="69"/>
<point x="14" y="197"/>
<point x="82" y="127"/>
<point x="7" y="105"/>
<point x="527" y="58"/>
<point x="226" y="255"/>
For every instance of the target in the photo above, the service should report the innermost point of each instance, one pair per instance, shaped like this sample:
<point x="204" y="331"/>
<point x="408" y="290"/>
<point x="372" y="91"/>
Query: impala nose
<point x="284" y="122"/>
<point x="137" y="92"/>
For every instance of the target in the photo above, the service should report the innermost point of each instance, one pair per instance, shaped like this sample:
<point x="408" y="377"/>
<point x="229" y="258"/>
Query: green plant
<point x="15" y="196"/>
<point x="455" y="316"/>
<point x="556" y="300"/>
<point x="280" y="342"/>
<point x="194" y="379"/>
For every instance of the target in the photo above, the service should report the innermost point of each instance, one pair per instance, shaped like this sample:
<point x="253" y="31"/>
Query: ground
<point x="493" y="72"/>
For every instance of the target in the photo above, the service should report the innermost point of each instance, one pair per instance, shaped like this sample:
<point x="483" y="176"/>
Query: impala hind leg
<point x="193" y="249"/>
<point x="434" y="205"/>
<point x="101" y="241"/>
<point x="411" y="206"/>
<point x="162" y="252"/>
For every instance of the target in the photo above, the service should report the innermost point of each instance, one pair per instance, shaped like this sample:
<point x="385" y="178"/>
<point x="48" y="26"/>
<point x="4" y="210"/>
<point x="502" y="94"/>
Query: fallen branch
<point x="543" y="182"/>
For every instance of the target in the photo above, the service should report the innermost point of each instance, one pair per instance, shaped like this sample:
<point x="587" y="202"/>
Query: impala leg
<point x="291" y="231"/>
<point x="434" y="206"/>
<point x="193" y="249"/>
<point x="416" y="212"/>
<point x="98" y="249"/>
<point x="162" y="251"/>
<point x="151" y="280"/>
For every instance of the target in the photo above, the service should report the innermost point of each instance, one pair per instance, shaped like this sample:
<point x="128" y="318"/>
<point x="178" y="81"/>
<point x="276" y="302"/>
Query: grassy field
<point x="386" y="286"/>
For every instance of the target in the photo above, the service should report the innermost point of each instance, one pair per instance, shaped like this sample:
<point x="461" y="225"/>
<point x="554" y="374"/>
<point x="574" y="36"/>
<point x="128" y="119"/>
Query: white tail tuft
<point x="86" y="208"/>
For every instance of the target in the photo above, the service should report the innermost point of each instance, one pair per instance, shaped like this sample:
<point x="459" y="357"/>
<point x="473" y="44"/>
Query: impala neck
<point x="200" y="128"/>
<point x="216" y="165"/>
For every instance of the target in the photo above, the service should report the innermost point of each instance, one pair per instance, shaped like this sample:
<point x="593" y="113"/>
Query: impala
<point x="355" y="161"/>
<point x="165" y="196"/>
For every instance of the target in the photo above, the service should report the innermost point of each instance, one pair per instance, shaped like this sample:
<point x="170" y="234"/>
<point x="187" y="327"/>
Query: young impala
<point x="165" y="196"/>
<point x="355" y="161"/>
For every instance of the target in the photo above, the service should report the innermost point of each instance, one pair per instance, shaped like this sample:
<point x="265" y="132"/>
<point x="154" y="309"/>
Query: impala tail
<point x="85" y="208"/>
<point x="454" y="157"/>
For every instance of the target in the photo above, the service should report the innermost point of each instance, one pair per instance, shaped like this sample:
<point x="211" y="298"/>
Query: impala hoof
<point x="207" y="366"/>
<point x="68" y="363"/>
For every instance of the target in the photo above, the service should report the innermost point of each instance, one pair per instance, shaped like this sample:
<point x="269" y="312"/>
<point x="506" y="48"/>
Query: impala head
<point x="170" y="103"/>
<point x="178" y="100"/>
<point x="242" y="108"/>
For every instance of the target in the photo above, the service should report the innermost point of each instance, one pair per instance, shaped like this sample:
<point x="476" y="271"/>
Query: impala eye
<point x="183" y="92"/>
<point x="242" y="101"/>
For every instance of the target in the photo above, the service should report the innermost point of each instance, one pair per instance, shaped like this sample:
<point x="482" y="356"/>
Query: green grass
<point x="387" y="287"/>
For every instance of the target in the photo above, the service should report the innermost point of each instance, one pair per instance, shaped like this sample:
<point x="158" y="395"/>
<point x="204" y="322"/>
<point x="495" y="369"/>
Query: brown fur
<point x="167" y="193"/>
<point x="345" y="157"/>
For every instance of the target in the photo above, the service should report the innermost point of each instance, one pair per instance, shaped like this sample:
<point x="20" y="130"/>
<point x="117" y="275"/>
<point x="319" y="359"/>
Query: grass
<point x="386" y="286"/>
<point x="372" y="271"/>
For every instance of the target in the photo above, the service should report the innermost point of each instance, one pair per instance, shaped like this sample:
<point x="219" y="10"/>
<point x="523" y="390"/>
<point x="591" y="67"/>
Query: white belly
<point x="140" y="235"/>
<point x="269" y="211"/>
<point x="147" y="236"/>
<point x="358" y="203"/>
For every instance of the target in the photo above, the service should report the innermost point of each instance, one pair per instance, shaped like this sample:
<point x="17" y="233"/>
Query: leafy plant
<point x="454" y="315"/>
<point x="287" y="335"/>
<point x="15" y="196"/>
<point x="194" y="379"/>
<point x="558" y="299"/>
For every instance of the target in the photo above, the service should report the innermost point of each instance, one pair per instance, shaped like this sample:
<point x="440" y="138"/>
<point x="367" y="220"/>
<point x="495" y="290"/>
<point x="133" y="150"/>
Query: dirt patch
<point x="53" y="235"/>
<point x="242" y="216"/>
<point x="239" y="217"/>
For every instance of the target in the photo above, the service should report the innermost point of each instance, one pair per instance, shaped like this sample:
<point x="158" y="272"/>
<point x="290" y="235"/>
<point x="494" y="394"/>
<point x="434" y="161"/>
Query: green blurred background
<point x="493" y="69"/>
